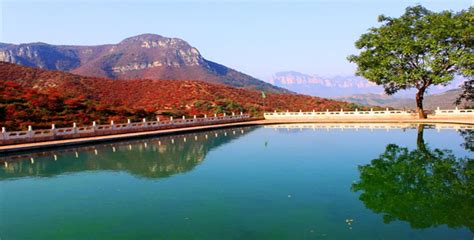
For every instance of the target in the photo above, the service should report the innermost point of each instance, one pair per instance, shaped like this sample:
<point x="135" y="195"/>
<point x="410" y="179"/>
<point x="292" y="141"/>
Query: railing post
<point x="74" y="127"/>
<point x="30" y="131"/>
<point x="53" y="127"/>
<point x="4" y="135"/>
<point x="128" y="121"/>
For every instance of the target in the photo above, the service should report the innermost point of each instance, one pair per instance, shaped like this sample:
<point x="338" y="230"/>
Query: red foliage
<point x="41" y="97"/>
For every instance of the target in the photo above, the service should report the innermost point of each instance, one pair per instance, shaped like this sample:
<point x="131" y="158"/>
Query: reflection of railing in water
<point x="371" y="126"/>
<point x="153" y="157"/>
<point x="112" y="128"/>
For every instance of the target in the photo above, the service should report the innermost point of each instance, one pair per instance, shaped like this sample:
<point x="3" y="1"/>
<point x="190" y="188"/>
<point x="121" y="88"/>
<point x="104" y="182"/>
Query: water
<point x="273" y="182"/>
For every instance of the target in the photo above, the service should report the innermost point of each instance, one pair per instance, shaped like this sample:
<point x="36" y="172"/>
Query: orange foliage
<point x="41" y="97"/>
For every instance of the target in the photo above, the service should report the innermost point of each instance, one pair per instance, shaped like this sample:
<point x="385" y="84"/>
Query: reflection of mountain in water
<point x="150" y="158"/>
<point x="424" y="187"/>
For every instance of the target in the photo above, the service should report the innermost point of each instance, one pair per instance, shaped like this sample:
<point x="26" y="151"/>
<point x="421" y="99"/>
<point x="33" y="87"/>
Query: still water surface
<point x="273" y="182"/>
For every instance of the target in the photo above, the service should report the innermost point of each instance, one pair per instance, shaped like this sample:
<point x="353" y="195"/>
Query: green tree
<point x="424" y="187"/>
<point x="467" y="93"/>
<point x="417" y="50"/>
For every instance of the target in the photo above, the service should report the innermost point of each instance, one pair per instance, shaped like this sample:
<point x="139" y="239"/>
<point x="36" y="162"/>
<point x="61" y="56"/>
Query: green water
<point x="247" y="183"/>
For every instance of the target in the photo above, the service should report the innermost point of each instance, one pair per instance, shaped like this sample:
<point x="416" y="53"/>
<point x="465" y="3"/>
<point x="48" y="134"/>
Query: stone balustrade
<point x="54" y="133"/>
<point x="337" y="114"/>
<point x="386" y="114"/>
<point x="455" y="112"/>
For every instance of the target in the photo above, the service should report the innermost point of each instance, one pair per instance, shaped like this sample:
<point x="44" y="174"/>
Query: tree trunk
<point x="420" y="141"/>
<point x="419" y="103"/>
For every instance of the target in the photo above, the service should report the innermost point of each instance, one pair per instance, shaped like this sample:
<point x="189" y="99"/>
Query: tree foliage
<point x="417" y="50"/>
<point x="467" y="92"/>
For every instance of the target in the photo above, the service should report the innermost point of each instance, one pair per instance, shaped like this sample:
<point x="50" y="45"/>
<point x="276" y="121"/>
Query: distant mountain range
<point x="323" y="86"/>
<point x="339" y="86"/>
<point x="147" y="56"/>
<point x="443" y="100"/>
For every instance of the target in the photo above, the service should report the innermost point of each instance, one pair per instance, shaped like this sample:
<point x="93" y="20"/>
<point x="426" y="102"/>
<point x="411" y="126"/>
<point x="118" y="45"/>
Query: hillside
<point x="147" y="56"/>
<point x="443" y="100"/>
<point x="35" y="96"/>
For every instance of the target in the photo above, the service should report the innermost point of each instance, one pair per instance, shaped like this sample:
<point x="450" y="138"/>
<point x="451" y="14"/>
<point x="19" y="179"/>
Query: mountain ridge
<point x="445" y="100"/>
<point x="149" y="56"/>
<point x="342" y="86"/>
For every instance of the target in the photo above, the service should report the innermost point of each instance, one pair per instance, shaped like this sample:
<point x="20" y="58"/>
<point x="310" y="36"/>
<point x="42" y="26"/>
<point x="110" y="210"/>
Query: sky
<point x="259" y="38"/>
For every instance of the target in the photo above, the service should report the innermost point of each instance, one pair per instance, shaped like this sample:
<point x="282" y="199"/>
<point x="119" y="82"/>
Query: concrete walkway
<point x="77" y="141"/>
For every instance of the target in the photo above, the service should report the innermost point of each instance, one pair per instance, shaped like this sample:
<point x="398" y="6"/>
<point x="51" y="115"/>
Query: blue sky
<point x="255" y="37"/>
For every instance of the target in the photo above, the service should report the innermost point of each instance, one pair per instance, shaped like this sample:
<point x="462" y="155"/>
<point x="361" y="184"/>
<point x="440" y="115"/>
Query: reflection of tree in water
<point x="424" y="187"/>
<point x="152" y="158"/>
<point x="468" y="136"/>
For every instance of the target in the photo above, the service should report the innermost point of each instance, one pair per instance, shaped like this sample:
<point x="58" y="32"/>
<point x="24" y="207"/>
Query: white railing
<point x="112" y="128"/>
<point x="462" y="113"/>
<point x="454" y="112"/>
<point x="337" y="114"/>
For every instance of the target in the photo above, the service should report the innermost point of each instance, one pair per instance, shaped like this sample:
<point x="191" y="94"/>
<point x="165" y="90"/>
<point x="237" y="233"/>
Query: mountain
<point x="32" y="96"/>
<point x="147" y="56"/>
<point x="323" y="86"/>
<point x="342" y="85"/>
<point x="443" y="100"/>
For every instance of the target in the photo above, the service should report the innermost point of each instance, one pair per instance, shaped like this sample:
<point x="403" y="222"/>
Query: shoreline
<point x="23" y="147"/>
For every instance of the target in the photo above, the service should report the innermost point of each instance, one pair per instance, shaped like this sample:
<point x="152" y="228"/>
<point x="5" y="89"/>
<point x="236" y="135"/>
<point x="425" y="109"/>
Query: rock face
<point x="144" y="56"/>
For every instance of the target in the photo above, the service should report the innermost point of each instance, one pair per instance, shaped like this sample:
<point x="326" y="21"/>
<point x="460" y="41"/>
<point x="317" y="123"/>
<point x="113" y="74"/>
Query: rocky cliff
<point x="148" y="56"/>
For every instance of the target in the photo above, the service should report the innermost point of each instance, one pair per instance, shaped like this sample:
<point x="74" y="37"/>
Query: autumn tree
<point x="419" y="49"/>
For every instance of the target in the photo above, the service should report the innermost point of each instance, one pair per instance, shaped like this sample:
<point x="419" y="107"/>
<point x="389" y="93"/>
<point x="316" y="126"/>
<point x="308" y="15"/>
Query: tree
<point x="467" y="92"/>
<point x="417" y="50"/>
<point x="424" y="187"/>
